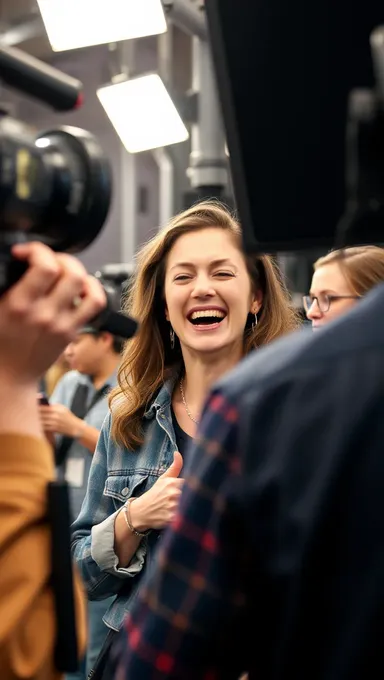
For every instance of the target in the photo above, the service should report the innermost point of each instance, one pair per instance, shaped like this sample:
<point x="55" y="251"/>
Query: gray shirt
<point x="79" y="458"/>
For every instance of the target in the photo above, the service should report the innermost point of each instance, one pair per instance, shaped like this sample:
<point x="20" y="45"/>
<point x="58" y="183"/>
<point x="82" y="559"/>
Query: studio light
<point x="143" y="113"/>
<point x="71" y="24"/>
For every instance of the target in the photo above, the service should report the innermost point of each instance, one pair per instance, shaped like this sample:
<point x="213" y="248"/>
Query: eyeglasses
<point x="324" y="301"/>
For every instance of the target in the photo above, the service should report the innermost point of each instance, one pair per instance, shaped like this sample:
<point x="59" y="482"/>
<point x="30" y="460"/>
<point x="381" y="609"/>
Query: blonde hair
<point x="55" y="373"/>
<point x="148" y="359"/>
<point x="362" y="266"/>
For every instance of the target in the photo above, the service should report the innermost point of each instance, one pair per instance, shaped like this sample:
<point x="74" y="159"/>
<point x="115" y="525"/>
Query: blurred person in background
<point x="202" y="305"/>
<point x="94" y="358"/>
<point x="77" y="409"/>
<point x="38" y="319"/>
<point x="340" y="279"/>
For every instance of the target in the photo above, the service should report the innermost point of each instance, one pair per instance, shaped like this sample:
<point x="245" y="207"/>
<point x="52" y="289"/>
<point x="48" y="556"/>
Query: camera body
<point x="56" y="187"/>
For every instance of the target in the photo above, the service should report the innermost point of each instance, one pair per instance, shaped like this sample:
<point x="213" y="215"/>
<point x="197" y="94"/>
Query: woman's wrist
<point x="137" y="515"/>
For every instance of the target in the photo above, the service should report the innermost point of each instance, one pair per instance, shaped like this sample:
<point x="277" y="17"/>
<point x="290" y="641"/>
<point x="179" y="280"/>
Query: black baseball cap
<point x="112" y="319"/>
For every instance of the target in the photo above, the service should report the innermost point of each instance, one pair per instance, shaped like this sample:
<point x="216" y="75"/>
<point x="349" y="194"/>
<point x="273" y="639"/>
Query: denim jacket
<point x="116" y="475"/>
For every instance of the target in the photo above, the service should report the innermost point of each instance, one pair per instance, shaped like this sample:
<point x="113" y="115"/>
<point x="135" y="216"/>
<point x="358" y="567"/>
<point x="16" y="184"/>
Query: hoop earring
<point x="254" y="323"/>
<point x="172" y="337"/>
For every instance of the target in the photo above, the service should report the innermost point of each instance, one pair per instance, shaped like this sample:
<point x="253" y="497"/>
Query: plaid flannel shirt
<point x="180" y="627"/>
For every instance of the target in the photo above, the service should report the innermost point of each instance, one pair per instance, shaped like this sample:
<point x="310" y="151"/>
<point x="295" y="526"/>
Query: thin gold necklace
<point x="189" y="414"/>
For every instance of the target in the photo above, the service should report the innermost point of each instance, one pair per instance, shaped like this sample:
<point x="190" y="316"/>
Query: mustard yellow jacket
<point x="27" y="622"/>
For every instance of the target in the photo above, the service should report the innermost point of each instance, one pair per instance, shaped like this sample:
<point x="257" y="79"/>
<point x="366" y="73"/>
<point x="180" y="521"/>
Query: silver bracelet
<point x="127" y="515"/>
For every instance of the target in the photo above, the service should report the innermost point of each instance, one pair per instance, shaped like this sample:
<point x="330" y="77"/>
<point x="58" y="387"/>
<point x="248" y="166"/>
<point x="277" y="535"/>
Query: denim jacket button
<point x="125" y="491"/>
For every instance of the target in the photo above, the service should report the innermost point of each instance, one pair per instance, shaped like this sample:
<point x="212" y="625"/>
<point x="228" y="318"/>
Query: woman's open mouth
<point x="206" y="319"/>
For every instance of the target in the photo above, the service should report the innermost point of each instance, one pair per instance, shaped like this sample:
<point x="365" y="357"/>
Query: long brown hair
<point x="362" y="266"/>
<point x="148" y="359"/>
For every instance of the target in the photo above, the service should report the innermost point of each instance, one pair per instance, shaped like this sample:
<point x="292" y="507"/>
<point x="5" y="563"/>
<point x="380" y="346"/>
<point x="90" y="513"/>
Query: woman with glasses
<point x="340" y="279"/>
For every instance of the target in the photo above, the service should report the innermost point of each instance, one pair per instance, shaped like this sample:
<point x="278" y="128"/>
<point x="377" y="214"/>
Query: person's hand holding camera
<point x="39" y="316"/>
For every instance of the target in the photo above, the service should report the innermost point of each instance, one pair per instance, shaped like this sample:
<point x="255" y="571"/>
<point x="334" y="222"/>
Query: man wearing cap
<point x="79" y="405"/>
<point x="74" y="418"/>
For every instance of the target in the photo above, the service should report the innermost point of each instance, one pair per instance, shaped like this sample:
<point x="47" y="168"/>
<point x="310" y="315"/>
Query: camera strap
<point x="66" y="648"/>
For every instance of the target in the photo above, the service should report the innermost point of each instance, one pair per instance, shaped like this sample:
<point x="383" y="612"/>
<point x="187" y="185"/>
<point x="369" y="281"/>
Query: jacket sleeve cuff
<point x="103" y="553"/>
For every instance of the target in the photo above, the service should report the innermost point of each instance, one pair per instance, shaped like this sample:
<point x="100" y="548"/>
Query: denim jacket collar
<point x="163" y="398"/>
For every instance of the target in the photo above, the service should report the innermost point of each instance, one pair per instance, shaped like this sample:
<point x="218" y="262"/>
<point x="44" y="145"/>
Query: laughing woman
<point x="202" y="306"/>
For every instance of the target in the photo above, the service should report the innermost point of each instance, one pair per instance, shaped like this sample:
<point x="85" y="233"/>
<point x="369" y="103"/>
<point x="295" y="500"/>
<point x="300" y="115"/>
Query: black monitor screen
<point x="285" y="70"/>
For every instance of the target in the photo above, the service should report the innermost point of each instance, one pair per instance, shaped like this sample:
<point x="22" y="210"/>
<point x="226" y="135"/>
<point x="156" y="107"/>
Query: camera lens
<point x="80" y="189"/>
<point x="56" y="188"/>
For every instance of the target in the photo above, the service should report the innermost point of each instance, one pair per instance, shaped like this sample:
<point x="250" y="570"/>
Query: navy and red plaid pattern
<point x="190" y="593"/>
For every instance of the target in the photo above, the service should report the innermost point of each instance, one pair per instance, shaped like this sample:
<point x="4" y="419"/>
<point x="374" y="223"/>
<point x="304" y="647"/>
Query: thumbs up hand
<point x="175" y="467"/>
<point x="156" y="508"/>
